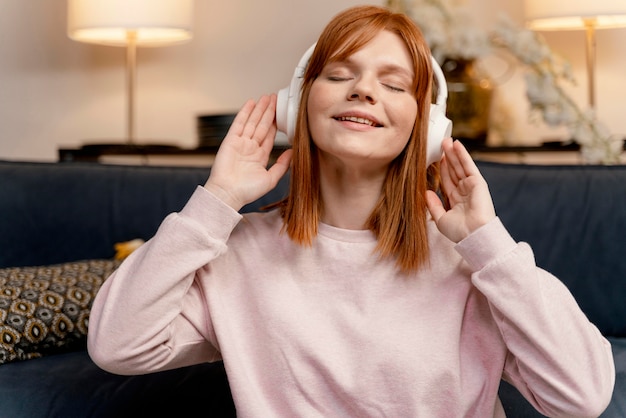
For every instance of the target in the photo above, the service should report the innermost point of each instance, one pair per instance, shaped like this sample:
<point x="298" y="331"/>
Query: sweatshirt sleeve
<point x="556" y="358"/>
<point x="150" y="315"/>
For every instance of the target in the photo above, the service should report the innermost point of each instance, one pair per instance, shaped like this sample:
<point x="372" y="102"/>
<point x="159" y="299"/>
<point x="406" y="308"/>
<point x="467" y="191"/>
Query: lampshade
<point x="571" y="14"/>
<point x="107" y="22"/>
<point x="130" y="23"/>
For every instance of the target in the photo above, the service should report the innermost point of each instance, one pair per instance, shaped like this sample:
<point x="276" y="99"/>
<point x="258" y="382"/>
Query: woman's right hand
<point x="239" y="174"/>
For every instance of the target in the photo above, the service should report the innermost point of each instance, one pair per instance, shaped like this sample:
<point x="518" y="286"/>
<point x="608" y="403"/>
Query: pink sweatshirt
<point x="330" y="330"/>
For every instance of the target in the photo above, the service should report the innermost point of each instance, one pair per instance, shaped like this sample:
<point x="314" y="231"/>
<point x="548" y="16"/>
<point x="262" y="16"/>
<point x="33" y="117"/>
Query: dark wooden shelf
<point x="100" y="152"/>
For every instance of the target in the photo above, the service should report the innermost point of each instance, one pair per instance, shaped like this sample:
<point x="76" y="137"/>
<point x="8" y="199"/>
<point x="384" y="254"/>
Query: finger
<point x="280" y="167"/>
<point x="465" y="159"/>
<point x="448" y="183"/>
<point x="456" y="168"/>
<point x="435" y="206"/>
<point x="255" y="117"/>
<point x="237" y="126"/>
<point x="267" y="143"/>
<point x="452" y="160"/>
<point x="266" y="129"/>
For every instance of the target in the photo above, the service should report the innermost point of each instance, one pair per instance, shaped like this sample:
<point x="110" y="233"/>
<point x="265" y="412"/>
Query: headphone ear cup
<point x="284" y="122"/>
<point x="288" y="100"/>
<point x="439" y="128"/>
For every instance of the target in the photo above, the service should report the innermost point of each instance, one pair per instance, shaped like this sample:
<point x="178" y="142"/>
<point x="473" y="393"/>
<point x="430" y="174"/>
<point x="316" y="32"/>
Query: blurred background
<point x="55" y="92"/>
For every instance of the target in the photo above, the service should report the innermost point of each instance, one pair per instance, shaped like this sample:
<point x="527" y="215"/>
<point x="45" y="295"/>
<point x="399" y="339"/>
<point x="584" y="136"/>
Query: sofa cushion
<point x="45" y="309"/>
<point x="617" y="407"/>
<point x="70" y="385"/>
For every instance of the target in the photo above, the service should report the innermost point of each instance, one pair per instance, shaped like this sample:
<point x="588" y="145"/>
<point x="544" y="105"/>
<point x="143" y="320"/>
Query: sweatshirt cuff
<point x="486" y="244"/>
<point x="217" y="218"/>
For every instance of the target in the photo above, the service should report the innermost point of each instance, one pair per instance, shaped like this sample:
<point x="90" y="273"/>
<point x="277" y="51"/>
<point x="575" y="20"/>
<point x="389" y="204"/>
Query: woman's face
<point x="363" y="109"/>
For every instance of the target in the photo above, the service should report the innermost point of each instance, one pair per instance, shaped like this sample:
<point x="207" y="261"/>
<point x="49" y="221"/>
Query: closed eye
<point x="337" y="78"/>
<point x="394" y="88"/>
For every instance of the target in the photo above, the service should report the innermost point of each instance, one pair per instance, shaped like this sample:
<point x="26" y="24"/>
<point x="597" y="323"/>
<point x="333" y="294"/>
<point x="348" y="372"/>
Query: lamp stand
<point x="590" y="53"/>
<point x="131" y="75"/>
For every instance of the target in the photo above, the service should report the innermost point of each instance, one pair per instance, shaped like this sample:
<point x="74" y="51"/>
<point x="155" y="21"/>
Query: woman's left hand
<point x="470" y="201"/>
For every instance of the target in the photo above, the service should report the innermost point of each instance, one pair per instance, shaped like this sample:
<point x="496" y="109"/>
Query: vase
<point x="469" y="101"/>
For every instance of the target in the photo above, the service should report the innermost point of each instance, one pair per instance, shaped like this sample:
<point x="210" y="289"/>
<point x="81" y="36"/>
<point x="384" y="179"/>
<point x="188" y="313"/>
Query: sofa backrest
<point x="574" y="217"/>
<point x="59" y="212"/>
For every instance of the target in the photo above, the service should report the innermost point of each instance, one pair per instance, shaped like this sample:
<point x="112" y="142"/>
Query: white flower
<point x="450" y="33"/>
<point x="522" y="43"/>
<point x="540" y="89"/>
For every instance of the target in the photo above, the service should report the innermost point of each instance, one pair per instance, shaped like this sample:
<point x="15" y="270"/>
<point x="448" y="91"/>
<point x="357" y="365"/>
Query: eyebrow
<point x="392" y="68"/>
<point x="386" y="68"/>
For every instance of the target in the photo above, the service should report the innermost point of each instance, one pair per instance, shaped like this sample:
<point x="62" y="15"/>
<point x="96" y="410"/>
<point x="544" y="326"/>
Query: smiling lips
<point x="357" y="119"/>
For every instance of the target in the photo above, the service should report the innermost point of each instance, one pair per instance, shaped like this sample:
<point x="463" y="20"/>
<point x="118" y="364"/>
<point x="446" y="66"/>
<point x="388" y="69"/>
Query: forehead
<point x="359" y="39"/>
<point x="385" y="49"/>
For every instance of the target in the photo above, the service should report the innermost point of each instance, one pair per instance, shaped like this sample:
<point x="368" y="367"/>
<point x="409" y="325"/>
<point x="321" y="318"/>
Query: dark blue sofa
<point x="573" y="216"/>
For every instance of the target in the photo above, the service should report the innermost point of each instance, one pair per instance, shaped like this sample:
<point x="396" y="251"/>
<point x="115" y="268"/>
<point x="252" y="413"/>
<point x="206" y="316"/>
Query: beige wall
<point x="58" y="93"/>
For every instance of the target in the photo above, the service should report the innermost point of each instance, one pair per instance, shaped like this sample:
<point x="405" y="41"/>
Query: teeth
<point x="357" y="120"/>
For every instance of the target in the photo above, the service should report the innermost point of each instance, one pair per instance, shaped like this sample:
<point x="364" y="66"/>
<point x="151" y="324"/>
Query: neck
<point x="349" y="195"/>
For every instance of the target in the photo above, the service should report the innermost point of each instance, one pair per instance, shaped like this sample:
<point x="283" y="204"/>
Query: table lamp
<point x="130" y="23"/>
<point x="589" y="15"/>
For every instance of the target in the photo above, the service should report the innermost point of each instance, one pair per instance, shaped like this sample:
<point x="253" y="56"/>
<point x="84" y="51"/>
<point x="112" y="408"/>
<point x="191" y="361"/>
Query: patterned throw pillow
<point x="45" y="309"/>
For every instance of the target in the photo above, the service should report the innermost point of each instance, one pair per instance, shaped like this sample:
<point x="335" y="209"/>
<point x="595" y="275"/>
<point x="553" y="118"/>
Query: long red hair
<point x="399" y="218"/>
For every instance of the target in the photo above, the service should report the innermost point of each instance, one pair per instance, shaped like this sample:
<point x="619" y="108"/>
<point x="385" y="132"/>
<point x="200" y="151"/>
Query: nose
<point x="363" y="89"/>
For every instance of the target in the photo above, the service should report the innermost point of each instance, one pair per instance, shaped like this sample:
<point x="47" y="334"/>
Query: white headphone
<point x="439" y="126"/>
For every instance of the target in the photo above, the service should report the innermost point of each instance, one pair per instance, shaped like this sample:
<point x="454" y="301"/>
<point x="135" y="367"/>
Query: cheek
<point x="318" y="103"/>
<point x="320" y="98"/>
<point x="405" y="114"/>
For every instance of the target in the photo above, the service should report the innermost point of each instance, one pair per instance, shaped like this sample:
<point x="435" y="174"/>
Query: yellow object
<point x="123" y="249"/>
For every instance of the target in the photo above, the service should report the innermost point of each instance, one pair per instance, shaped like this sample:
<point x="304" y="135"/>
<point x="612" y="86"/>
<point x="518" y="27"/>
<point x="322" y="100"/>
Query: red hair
<point x="399" y="218"/>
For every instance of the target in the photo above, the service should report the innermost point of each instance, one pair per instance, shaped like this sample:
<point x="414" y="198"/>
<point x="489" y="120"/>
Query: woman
<point x="361" y="294"/>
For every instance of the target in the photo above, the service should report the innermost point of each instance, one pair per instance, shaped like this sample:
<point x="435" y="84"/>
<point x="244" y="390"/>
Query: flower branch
<point x="450" y="33"/>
